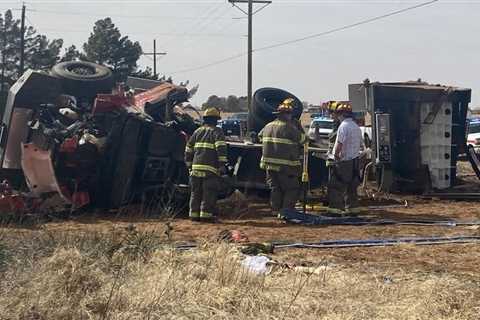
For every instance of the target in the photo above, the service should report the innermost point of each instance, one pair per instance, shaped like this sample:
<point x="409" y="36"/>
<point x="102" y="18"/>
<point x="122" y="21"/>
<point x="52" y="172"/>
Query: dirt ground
<point x="254" y="218"/>
<point x="397" y="282"/>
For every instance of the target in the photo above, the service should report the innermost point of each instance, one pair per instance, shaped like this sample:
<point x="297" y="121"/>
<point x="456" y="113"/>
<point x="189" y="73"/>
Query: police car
<point x="473" y="136"/>
<point x="235" y="125"/>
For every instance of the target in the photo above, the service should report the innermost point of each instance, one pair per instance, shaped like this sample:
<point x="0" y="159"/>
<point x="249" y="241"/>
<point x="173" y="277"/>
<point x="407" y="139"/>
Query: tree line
<point x="228" y="104"/>
<point x="105" y="45"/>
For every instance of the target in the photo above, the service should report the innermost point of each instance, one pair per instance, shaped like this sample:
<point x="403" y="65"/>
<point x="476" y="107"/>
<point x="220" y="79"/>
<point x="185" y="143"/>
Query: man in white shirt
<point x="345" y="172"/>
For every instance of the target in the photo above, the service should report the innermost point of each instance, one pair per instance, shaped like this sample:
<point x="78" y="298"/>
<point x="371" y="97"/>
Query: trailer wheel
<point x="83" y="79"/>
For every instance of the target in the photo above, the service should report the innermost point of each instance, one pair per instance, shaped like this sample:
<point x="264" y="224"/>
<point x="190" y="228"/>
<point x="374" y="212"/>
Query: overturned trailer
<point x="418" y="130"/>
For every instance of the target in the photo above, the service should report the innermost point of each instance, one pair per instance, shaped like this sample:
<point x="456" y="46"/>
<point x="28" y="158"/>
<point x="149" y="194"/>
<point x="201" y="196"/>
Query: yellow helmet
<point x="212" y="113"/>
<point x="344" y="107"/>
<point x="332" y="106"/>
<point x="286" y="106"/>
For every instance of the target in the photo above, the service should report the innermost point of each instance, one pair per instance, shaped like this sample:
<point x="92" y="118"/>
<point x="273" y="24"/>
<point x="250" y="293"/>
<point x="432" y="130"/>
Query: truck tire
<point x="82" y="79"/>
<point x="265" y="103"/>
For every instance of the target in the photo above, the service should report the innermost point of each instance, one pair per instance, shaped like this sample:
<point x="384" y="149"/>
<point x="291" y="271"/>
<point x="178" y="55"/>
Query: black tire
<point x="256" y="124"/>
<point x="265" y="103"/>
<point x="82" y="79"/>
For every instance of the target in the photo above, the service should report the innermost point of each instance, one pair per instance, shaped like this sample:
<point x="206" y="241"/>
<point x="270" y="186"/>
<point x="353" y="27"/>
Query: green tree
<point x="72" y="54"/>
<point x="230" y="104"/>
<point x="107" y="46"/>
<point x="215" y="102"/>
<point x="40" y="53"/>
<point x="145" y="74"/>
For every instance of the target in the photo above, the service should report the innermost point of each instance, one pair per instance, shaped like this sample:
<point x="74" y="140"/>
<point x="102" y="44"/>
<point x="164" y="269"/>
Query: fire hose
<point x="355" y="243"/>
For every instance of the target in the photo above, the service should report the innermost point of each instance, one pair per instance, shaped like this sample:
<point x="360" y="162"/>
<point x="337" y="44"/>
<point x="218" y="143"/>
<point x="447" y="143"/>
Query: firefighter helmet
<point x="344" y="107"/>
<point x="211" y="113"/>
<point x="286" y="106"/>
<point x="332" y="106"/>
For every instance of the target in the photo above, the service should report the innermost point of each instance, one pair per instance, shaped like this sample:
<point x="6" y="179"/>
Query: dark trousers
<point x="344" y="179"/>
<point x="285" y="189"/>
<point x="203" y="196"/>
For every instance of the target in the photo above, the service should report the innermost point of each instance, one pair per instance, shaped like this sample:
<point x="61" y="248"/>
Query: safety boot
<point x="194" y="216"/>
<point x="353" y="211"/>
<point x="335" y="212"/>
<point x="208" y="217"/>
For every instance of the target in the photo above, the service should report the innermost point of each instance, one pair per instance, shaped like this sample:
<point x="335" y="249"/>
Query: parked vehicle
<point x="319" y="130"/>
<point x="235" y="125"/>
<point x="473" y="136"/>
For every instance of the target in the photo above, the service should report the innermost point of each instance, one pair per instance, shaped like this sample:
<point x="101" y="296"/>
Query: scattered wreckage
<point x="74" y="140"/>
<point x="79" y="141"/>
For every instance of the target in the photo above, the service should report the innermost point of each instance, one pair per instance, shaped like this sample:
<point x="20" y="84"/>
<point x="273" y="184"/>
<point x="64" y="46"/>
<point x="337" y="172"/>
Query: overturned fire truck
<point x="73" y="139"/>
<point x="71" y="136"/>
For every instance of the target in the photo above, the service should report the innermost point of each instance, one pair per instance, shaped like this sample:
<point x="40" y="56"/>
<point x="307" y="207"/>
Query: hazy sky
<point x="438" y="43"/>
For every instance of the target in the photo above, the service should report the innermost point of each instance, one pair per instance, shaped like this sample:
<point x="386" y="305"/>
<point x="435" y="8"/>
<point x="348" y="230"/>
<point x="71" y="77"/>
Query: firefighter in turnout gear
<point x="282" y="140"/>
<point x="206" y="157"/>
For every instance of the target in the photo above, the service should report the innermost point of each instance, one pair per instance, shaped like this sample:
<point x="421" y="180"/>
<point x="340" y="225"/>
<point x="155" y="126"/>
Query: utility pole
<point x="4" y="58"/>
<point x="22" y="42"/>
<point x="250" y="14"/>
<point x="154" y="54"/>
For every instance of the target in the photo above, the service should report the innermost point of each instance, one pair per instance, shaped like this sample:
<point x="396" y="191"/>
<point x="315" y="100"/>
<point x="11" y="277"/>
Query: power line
<point x="207" y="23"/>
<point x="205" y="15"/>
<point x="250" y="12"/>
<point x="89" y="14"/>
<point x="210" y="64"/>
<point x="350" y="26"/>
<point x="285" y="43"/>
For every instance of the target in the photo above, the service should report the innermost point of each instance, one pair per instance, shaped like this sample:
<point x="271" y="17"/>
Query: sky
<point x="437" y="43"/>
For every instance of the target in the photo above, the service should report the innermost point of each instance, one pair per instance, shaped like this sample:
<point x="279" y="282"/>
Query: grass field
<point x="130" y="275"/>
<point x="104" y="266"/>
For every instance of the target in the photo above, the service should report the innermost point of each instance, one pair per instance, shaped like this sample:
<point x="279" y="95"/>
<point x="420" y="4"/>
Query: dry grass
<point x="131" y="275"/>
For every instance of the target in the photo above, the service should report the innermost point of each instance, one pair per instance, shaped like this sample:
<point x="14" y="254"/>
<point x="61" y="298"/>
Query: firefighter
<point x="206" y="158"/>
<point x="344" y="170"/>
<point x="281" y="149"/>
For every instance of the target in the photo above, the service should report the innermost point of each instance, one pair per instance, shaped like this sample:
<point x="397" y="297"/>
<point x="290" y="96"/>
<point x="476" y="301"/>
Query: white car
<point x="473" y="136"/>
<point x="321" y="127"/>
<point x="319" y="130"/>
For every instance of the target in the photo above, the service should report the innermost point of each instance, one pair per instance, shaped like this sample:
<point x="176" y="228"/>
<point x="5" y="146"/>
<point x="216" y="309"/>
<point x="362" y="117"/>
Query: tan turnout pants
<point x="203" y="196"/>
<point x="285" y="189"/>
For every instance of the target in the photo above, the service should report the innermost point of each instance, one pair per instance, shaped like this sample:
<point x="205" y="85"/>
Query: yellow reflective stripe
<point x="220" y="144"/>
<point x="278" y="123"/>
<point x="280" y="161"/>
<point x="198" y="174"/>
<point x="270" y="167"/>
<point x="204" y="214"/>
<point x="278" y="140"/>
<point x="222" y="159"/>
<point x="204" y="145"/>
<point x="204" y="167"/>
<point x="195" y="214"/>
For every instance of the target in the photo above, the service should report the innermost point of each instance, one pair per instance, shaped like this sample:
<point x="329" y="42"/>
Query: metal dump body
<point x="418" y="131"/>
